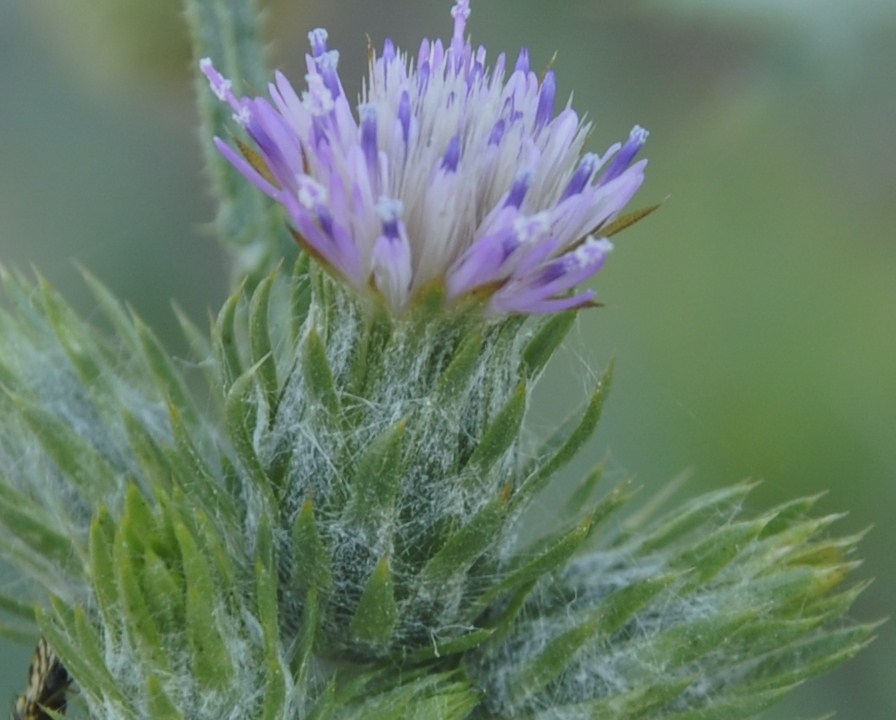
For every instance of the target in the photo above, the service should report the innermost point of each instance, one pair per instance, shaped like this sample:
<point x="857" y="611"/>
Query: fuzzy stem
<point x="252" y="230"/>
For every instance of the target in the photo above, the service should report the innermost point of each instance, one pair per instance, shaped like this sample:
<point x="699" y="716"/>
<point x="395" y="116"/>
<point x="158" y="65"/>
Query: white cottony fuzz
<point x="389" y="209"/>
<point x="461" y="10"/>
<point x="328" y="60"/>
<point x="243" y="116"/>
<point x="367" y="112"/>
<point x="592" y="250"/>
<point x="318" y="37"/>
<point x="311" y="193"/>
<point x="220" y="85"/>
<point x="639" y="134"/>
<point x="318" y="99"/>
<point x="529" y="229"/>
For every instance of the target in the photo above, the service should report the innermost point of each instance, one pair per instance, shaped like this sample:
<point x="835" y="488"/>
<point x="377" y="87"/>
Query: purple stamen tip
<point x="218" y="83"/>
<point x="461" y="13"/>
<point x="318" y="39"/>
<point x="546" y="100"/>
<point x="582" y="175"/>
<point x="636" y="139"/>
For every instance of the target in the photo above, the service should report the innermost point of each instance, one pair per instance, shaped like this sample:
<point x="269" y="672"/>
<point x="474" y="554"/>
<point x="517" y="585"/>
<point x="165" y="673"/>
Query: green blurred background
<point x="752" y="319"/>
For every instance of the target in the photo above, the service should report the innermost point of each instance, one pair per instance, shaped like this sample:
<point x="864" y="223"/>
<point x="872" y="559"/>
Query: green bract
<point x="331" y="527"/>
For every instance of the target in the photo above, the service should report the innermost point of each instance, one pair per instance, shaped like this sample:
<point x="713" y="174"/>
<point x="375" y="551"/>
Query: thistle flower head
<point x="448" y="172"/>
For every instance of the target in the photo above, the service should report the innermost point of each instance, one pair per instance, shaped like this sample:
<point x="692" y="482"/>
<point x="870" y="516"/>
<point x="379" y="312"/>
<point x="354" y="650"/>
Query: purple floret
<point x="448" y="172"/>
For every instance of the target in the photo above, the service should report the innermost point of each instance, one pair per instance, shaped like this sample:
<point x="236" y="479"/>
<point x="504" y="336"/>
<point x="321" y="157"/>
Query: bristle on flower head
<point x="449" y="172"/>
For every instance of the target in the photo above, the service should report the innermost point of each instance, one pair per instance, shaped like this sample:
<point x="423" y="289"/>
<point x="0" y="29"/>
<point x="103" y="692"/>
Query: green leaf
<point x="374" y="485"/>
<point x="212" y="537"/>
<point x="203" y="355"/>
<point x="311" y="561"/>
<point x="533" y="566"/>
<point x="13" y="606"/>
<point x="163" y="369"/>
<point x="790" y="512"/>
<point x="545" y="342"/>
<point x="791" y="663"/>
<point x="826" y="552"/>
<point x="426" y="308"/>
<point x="260" y="339"/>
<point x="102" y="570"/>
<point x="376" y="614"/>
<point x="241" y="414"/>
<point x="608" y="617"/>
<point x="163" y="591"/>
<point x="319" y="374"/>
<point x="691" y="515"/>
<point x="268" y="616"/>
<point x="428" y="697"/>
<point x="300" y="296"/>
<point x="68" y="328"/>
<point x="302" y="665"/>
<point x="731" y="706"/>
<point x="788" y="589"/>
<point x="122" y="323"/>
<point x="88" y="468"/>
<point x="327" y="704"/>
<point x="719" y="548"/>
<point x="501" y="434"/>
<point x="93" y="676"/>
<point x="197" y="339"/>
<point x="210" y="656"/>
<point x="27" y="522"/>
<point x="622" y="605"/>
<point x="160" y="705"/>
<point x="195" y="477"/>
<point x="368" y="352"/>
<point x="581" y="496"/>
<point x="455" y="382"/>
<point x="87" y="638"/>
<point x="640" y="702"/>
<point x="467" y="641"/>
<point x="138" y="619"/>
<point x="685" y="643"/>
<point x="836" y="605"/>
<point x="510" y="611"/>
<point x="448" y="566"/>
<point x="155" y="464"/>
<point x="562" y="446"/>
<point x="224" y="341"/>
<point x="137" y="520"/>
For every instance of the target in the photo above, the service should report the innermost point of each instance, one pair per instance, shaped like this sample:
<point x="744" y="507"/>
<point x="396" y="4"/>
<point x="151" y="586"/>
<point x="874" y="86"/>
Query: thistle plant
<point x="324" y="514"/>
